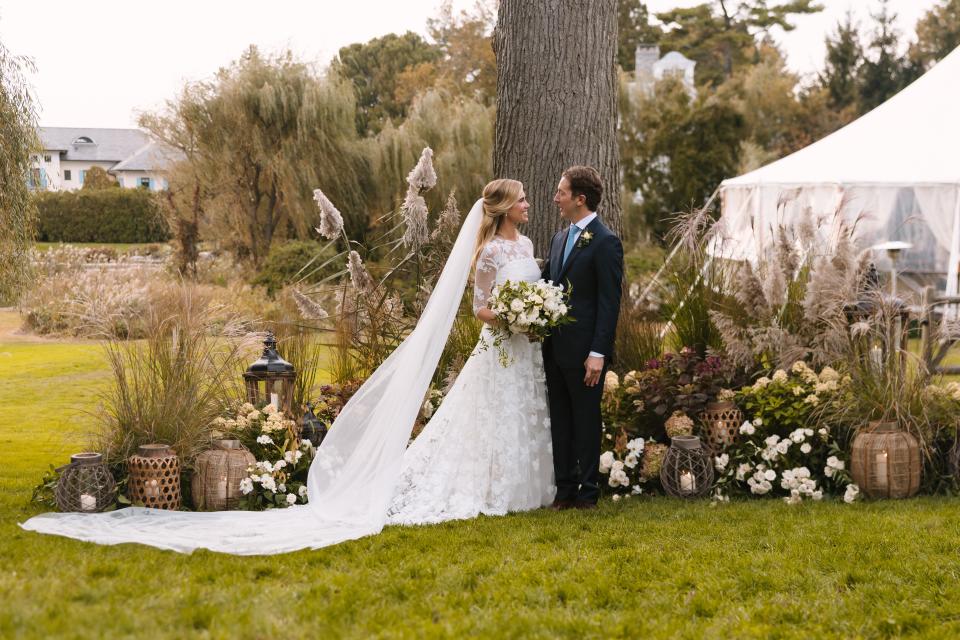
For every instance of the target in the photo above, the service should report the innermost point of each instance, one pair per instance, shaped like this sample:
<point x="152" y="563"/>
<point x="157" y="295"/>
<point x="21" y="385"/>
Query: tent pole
<point x="673" y="252"/>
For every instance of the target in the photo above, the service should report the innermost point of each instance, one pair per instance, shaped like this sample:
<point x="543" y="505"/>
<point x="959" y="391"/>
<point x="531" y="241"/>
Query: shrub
<point x="286" y="264"/>
<point x="105" y="215"/>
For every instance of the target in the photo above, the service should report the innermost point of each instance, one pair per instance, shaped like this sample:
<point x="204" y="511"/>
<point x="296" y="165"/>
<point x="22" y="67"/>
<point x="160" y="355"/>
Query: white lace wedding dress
<point x="487" y="450"/>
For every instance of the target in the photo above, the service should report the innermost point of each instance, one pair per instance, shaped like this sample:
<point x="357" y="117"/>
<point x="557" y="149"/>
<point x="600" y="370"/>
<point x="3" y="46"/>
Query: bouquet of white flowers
<point x="529" y="308"/>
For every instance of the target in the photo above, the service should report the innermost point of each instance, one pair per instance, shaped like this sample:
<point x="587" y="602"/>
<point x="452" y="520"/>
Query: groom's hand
<point x="594" y="366"/>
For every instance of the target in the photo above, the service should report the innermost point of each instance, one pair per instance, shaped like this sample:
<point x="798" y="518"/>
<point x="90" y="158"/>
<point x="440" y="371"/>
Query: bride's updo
<point x="499" y="197"/>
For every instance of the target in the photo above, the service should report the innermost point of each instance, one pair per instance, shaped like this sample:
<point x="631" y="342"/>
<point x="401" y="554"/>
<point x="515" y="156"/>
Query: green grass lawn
<point x="643" y="568"/>
<point x="119" y="247"/>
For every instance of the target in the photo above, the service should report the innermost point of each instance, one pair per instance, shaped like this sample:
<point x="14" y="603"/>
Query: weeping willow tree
<point x="460" y="132"/>
<point x="18" y="133"/>
<point x="268" y="131"/>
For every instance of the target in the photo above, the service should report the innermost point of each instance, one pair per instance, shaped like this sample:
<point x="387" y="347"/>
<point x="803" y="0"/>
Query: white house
<point x="650" y="67"/>
<point x="127" y="154"/>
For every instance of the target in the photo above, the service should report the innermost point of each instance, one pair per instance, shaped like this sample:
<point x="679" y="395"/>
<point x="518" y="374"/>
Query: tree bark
<point x="557" y="102"/>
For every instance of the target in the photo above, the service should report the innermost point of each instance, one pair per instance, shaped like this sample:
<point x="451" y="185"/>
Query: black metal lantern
<point x="312" y="428"/>
<point x="271" y="379"/>
<point x="85" y="484"/>
<point x="687" y="470"/>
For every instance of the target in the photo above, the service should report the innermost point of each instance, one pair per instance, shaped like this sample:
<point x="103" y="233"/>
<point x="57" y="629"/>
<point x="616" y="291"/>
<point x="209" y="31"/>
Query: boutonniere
<point x="584" y="240"/>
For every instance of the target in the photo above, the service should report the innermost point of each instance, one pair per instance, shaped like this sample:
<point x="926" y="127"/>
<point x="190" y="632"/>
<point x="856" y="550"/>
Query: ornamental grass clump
<point x="374" y="301"/>
<point x="888" y="383"/>
<point x="171" y="386"/>
<point x="792" y="305"/>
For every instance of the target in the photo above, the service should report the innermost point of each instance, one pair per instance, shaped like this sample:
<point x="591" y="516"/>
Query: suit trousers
<point x="575" y="423"/>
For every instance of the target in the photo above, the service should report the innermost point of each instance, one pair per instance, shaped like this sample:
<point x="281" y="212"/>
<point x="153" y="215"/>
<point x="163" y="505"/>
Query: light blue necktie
<point x="571" y="236"/>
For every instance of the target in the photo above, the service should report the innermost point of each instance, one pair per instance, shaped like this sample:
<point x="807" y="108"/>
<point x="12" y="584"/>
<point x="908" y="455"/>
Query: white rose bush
<point x="278" y="479"/>
<point x="781" y="451"/>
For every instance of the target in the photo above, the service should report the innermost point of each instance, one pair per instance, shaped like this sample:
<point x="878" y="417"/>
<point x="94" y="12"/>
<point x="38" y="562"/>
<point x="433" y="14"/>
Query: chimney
<point x="646" y="56"/>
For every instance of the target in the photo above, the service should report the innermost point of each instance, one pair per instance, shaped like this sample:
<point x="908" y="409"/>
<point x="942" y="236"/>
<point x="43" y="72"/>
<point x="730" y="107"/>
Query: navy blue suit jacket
<point x="594" y="276"/>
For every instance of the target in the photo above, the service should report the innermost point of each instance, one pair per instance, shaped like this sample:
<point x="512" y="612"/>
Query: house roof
<point x="152" y="156"/>
<point x="108" y="145"/>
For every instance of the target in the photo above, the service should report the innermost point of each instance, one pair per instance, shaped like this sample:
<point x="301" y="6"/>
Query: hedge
<point x="107" y="215"/>
<point x="286" y="259"/>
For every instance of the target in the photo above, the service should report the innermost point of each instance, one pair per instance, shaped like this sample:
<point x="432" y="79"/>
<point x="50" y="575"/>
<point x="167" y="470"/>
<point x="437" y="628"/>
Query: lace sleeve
<point x="484" y="277"/>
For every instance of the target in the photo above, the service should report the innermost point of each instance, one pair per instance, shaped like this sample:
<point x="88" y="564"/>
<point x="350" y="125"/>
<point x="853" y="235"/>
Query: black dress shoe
<point x="583" y="504"/>
<point x="562" y="505"/>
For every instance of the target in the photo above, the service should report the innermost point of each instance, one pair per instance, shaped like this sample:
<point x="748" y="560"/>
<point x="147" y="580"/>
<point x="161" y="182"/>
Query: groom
<point x="587" y="259"/>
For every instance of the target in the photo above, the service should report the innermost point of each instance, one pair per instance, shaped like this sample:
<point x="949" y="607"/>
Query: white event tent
<point x="896" y="171"/>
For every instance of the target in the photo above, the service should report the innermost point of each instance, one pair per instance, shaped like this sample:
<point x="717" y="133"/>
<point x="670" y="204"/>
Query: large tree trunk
<point x="557" y="102"/>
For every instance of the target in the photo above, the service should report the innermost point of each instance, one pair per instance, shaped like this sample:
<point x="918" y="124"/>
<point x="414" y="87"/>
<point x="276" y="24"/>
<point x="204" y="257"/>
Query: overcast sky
<point x="99" y="62"/>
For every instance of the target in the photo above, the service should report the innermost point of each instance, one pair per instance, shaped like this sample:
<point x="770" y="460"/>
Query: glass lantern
<point x="271" y="379"/>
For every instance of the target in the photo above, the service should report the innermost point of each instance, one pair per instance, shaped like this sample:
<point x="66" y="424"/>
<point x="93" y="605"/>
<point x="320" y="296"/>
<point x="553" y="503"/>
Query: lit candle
<point x="275" y="400"/>
<point x="222" y="487"/>
<point x="87" y="502"/>
<point x="881" y="465"/>
<point x="152" y="489"/>
<point x="688" y="484"/>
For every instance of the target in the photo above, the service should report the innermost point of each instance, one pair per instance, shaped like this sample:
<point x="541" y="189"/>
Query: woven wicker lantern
<point x="271" y="379"/>
<point x="85" y="484"/>
<point x="687" y="470"/>
<point x="721" y="422"/>
<point x="217" y="475"/>
<point x="885" y="461"/>
<point x="154" y="477"/>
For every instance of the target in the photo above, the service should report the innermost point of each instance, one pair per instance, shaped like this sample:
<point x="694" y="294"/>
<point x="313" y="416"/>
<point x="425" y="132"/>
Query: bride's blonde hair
<point x="499" y="197"/>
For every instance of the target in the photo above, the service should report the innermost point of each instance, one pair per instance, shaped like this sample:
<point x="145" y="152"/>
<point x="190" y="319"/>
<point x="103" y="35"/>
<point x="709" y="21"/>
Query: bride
<point x="486" y="450"/>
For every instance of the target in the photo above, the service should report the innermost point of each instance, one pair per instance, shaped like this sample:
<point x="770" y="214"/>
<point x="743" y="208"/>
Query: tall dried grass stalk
<point x="170" y="387"/>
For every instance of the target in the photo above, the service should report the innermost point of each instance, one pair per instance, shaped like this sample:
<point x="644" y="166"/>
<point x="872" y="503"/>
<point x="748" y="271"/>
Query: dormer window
<point x="83" y="140"/>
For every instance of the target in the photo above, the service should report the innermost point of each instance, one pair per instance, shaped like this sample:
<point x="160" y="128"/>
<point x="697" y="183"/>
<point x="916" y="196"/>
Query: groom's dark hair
<point x="585" y="181"/>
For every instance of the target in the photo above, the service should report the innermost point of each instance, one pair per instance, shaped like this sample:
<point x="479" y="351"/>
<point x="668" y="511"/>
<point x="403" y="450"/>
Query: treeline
<point x="749" y="108"/>
<point x="268" y="129"/>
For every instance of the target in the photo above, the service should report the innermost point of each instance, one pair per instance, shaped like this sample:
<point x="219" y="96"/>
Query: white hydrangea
<point x="805" y="448"/>
<point x="268" y="483"/>
<point x="246" y="486"/>
<point x="851" y="494"/>
<point x="834" y="464"/>
<point x="635" y="445"/>
<point x="721" y="462"/>
<point x="264" y="439"/>
<point x="747" y="429"/>
<point x="780" y="376"/>
<point x="606" y="461"/>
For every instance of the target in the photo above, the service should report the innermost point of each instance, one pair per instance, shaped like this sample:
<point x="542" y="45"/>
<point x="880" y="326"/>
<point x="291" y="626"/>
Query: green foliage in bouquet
<point x="532" y="309"/>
